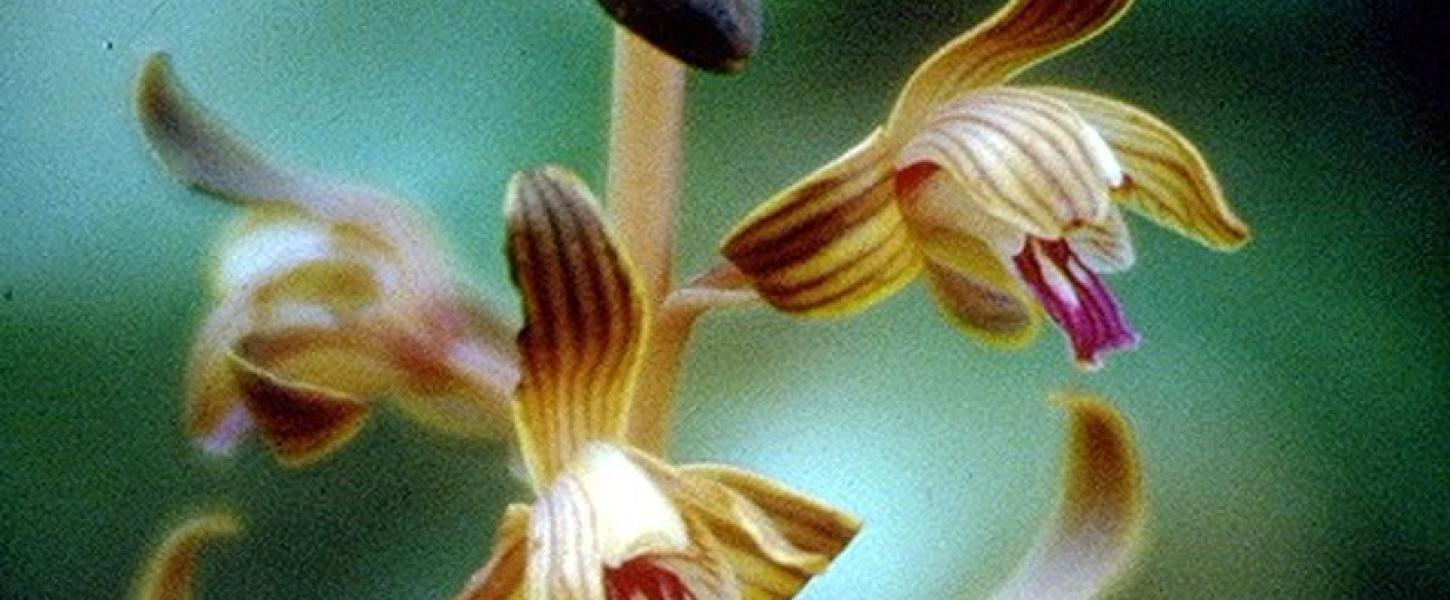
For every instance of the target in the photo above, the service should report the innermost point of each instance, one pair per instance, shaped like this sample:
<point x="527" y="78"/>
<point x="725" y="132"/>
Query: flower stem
<point x="645" y="157"/>
<point x="651" y="418"/>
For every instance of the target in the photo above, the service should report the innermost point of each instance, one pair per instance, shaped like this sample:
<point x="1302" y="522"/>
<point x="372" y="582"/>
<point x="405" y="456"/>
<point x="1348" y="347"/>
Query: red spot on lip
<point x="641" y="578"/>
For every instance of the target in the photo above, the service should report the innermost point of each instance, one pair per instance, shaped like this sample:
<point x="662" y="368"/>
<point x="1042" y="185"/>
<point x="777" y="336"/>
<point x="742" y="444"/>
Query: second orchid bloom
<point x="1007" y="198"/>
<point x="611" y="521"/>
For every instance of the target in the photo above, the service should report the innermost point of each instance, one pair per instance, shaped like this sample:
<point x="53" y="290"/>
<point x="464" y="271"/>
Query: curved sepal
<point x="833" y="243"/>
<point x="171" y="570"/>
<point x="198" y="148"/>
<point x="776" y="539"/>
<point x="1098" y="524"/>
<point x="1168" y="180"/>
<point x="585" y="321"/>
<point x="1018" y="35"/>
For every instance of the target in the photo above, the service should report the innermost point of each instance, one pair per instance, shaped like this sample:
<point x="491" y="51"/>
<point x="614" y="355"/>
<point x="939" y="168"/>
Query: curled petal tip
<point x="1097" y="527"/>
<point x="714" y="35"/>
<point x="171" y="571"/>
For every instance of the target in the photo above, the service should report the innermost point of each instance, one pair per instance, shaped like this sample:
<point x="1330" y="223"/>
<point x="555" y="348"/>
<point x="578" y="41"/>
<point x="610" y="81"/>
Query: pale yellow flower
<point x="1007" y="198"/>
<point x="328" y="295"/>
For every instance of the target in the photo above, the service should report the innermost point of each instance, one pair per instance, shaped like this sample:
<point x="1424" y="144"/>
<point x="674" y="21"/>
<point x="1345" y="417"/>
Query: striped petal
<point x="966" y="263"/>
<point x="584" y="320"/>
<point x="502" y="577"/>
<point x="302" y="423"/>
<point x="1168" y="180"/>
<point x="833" y="243"/>
<point x="774" y="538"/>
<point x="1017" y="36"/>
<point x="1027" y="158"/>
<point x="1105" y="246"/>
<point x="1102" y="512"/>
<point x="171" y="571"/>
<point x="604" y="529"/>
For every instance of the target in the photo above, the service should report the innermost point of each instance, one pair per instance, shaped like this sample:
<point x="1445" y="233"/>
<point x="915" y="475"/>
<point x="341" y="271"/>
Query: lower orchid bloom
<point x="613" y="522"/>
<point x="1008" y="198"/>
<point x="328" y="295"/>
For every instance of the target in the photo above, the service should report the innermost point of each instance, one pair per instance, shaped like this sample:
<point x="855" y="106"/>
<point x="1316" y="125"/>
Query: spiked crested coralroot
<point x="611" y="521"/>
<point x="1008" y="198"/>
<point x="328" y="295"/>
<point x="170" y="571"/>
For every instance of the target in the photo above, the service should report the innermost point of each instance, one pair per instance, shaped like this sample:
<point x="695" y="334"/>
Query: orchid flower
<point x="328" y="295"/>
<point x="1007" y="198"/>
<point x="613" y="522"/>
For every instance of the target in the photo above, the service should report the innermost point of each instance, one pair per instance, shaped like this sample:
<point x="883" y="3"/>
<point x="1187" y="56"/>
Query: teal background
<point x="1290" y="399"/>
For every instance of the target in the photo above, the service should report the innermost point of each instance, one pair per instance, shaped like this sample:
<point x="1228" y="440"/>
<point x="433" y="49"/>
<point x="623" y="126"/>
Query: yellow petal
<point x="1027" y="158"/>
<point x="966" y="265"/>
<point x="831" y="244"/>
<point x="604" y="528"/>
<point x="502" y="577"/>
<point x="774" y="538"/>
<point x="1168" y="180"/>
<point x="584" y="321"/>
<point x="171" y="570"/>
<point x="1102" y="509"/>
<point x="1017" y="36"/>
<point x="303" y="423"/>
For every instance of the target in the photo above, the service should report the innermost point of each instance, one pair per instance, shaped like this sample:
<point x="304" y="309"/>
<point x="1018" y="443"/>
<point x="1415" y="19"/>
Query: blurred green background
<point x="1291" y="399"/>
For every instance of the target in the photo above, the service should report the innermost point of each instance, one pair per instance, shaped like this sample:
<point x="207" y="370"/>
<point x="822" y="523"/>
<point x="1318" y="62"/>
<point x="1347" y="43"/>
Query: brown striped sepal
<point x="1098" y="525"/>
<point x="1018" y="35"/>
<point x="171" y="569"/>
<point x="833" y="243"/>
<point x="1168" y="180"/>
<point x="1028" y="159"/>
<point x="585" y="320"/>
<point x="714" y="35"/>
<point x="618" y="523"/>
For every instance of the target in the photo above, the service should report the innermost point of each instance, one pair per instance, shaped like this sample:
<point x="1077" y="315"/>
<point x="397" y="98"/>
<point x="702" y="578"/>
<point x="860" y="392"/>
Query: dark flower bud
<point x="714" y="35"/>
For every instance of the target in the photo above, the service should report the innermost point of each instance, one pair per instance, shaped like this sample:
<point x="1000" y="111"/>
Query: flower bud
<point x="714" y="35"/>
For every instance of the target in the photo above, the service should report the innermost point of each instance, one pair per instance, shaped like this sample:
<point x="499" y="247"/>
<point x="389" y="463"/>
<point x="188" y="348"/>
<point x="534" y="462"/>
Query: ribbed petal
<point x="1027" y="158"/>
<point x="171" y="571"/>
<point x="1102" y="512"/>
<point x="1017" y="36"/>
<point x="502" y="577"/>
<point x="584" y="320"/>
<point x="966" y="264"/>
<point x="1105" y="246"/>
<point x="774" y="538"/>
<point x="604" y="529"/>
<point x="833" y="243"/>
<point x="302" y="423"/>
<point x="1168" y="180"/>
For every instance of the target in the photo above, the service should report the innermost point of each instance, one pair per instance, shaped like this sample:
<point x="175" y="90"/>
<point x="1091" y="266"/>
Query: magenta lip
<point x="1077" y="299"/>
